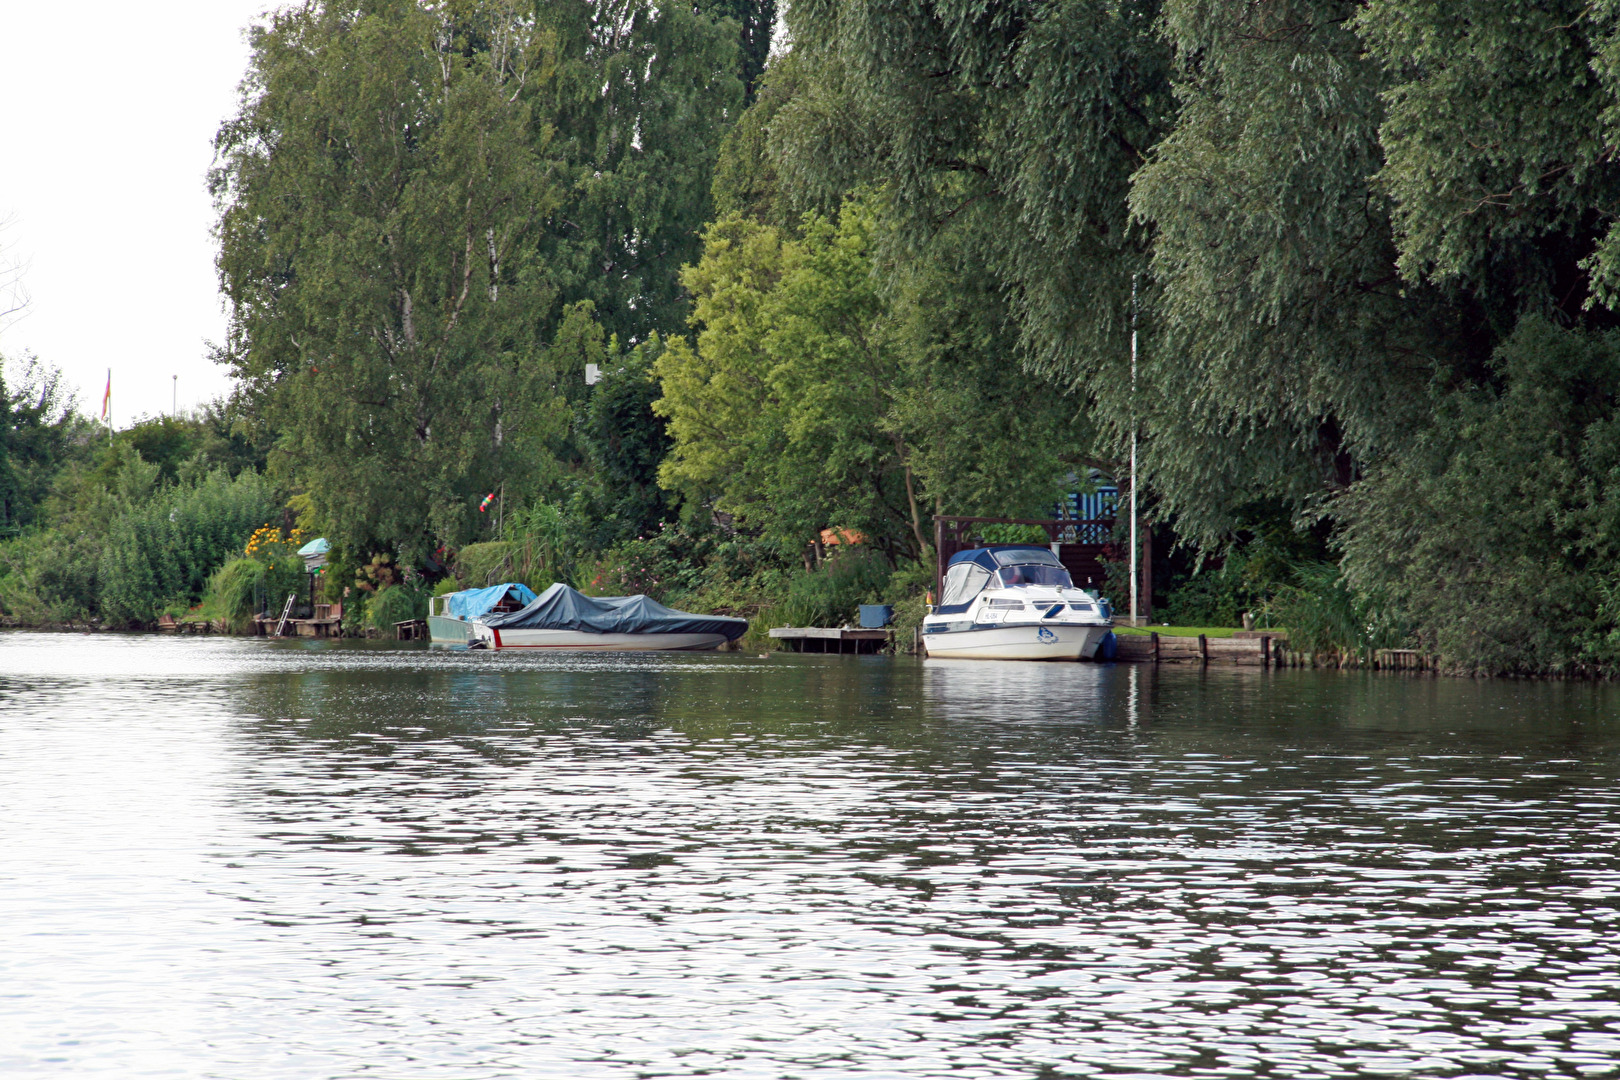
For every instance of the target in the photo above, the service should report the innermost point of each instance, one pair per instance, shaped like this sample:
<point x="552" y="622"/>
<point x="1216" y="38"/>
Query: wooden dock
<point x="820" y="639"/>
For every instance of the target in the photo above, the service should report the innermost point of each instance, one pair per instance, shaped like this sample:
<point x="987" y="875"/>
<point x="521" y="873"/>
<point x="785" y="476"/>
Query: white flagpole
<point x="1136" y="577"/>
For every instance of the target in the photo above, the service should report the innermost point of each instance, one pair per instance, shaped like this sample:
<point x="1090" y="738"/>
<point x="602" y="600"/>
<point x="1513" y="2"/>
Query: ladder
<point x="286" y="610"/>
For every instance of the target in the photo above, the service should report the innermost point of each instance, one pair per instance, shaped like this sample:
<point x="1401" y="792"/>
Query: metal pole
<point x="1135" y="574"/>
<point x="174" y="404"/>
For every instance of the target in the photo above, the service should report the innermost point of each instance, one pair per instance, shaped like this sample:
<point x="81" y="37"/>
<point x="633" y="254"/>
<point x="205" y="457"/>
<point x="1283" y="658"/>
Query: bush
<point x="394" y="604"/>
<point x="234" y="592"/>
<point x="829" y="596"/>
<point x="672" y="562"/>
<point x="1495" y="530"/>
<point x="1322" y="614"/>
<point x="51" y="577"/>
<point x="164" y="548"/>
<point x="908" y="616"/>
<point x="537" y="547"/>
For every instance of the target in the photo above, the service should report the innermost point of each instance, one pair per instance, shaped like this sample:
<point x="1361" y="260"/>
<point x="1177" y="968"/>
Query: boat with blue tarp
<point x="565" y="618"/>
<point x="450" y="617"/>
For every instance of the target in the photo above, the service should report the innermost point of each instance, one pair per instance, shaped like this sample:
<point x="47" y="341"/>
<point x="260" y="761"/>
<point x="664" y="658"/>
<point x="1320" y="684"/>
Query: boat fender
<point x="1108" y="647"/>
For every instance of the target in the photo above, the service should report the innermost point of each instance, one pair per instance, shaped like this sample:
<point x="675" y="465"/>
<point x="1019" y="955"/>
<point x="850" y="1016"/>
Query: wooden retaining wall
<point x="1260" y="649"/>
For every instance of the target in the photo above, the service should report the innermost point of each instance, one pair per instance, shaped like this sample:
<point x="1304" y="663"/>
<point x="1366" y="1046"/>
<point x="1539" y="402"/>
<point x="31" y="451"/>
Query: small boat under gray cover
<point x="565" y="618"/>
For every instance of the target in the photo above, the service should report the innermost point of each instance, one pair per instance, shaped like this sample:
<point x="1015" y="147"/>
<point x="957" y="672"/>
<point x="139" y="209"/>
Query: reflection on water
<point x="244" y="859"/>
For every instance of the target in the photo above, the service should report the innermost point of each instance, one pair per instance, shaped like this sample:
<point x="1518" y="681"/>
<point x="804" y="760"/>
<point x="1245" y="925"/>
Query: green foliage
<point x="164" y="441"/>
<point x="37" y="430"/>
<point x="745" y="176"/>
<point x="164" y="548"/>
<point x="624" y="442"/>
<point x="1323" y="614"/>
<point x="1277" y="351"/>
<point x="1494" y="538"/>
<point x="663" y="564"/>
<point x="51" y="577"/>
<point x="810" y="399"/>
<point x="395" y="604"/>
<point x="1014" y="534"/>
<point x="382" y="193"/>
<point x="1008" y="134"/>
<point x="831" y="595"/>
<point x="236" y="592"/>
<point x="539" y="546"/>
<point x="641" y="98"/>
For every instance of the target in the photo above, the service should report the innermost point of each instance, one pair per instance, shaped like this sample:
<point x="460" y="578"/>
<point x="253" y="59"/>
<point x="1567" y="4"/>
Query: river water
<point x="245" y="858"/>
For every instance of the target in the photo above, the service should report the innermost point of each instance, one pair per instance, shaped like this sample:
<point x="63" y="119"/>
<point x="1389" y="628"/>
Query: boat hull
<point x="448" y="630"/>
<point x="1027" y="641"/>
<point x="579" y="639"/>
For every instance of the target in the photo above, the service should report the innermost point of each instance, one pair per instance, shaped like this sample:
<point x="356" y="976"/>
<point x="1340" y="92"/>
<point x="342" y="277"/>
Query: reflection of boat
<point x="1014" y="602"/>
<point x="450" y="617"/>
<point x="564" y="618"/>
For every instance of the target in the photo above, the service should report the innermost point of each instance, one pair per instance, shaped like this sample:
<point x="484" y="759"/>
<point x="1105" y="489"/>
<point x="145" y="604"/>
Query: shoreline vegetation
<point x="642" y="305"/>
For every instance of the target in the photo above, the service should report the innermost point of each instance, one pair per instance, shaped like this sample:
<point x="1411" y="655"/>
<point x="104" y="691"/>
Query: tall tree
<point x="815" y="396"/>
<point x="641" y="98"/>
<point x="1018" y="124"/>
<point x="383" y="194"/>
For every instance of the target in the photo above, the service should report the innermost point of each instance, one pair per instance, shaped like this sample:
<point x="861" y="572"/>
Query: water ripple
<point x="244" y="859"/>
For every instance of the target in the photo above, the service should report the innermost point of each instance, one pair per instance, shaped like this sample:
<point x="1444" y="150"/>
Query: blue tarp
<point x="562" y="608"/>
<point x="472" y="603"/>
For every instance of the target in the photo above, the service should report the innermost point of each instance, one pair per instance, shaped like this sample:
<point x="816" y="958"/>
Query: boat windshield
<point x="1034" y="574"/>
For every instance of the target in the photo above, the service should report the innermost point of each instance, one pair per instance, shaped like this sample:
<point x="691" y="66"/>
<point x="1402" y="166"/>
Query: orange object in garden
<point x="829" y="537"/>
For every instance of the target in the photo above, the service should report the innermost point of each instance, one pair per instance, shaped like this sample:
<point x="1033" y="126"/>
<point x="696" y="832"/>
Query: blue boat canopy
<point x="471" y="603"/>
<point x="972" y="571"/>
<point x="993" y="558"/>
<point x="563" y="608"/>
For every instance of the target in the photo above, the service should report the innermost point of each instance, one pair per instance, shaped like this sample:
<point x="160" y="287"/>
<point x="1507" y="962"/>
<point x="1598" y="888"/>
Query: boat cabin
<point x="971" y="572"/>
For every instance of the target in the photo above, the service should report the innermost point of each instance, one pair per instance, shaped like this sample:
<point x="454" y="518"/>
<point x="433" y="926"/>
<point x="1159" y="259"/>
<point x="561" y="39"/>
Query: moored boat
<point x="565" y="618"/>
<point x="1014" y="602"/>
<point x="450" y="617"/>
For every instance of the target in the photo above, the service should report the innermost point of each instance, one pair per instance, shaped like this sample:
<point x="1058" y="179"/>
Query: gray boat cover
<point x="563" y="608"/>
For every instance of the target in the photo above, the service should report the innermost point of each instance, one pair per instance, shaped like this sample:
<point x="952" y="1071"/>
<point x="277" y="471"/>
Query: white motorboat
<point x="564" y="618"/>
<point x="1014" y="602"/>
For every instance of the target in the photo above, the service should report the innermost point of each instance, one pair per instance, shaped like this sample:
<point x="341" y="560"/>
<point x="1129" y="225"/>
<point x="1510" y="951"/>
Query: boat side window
<point x="963" y="582"/>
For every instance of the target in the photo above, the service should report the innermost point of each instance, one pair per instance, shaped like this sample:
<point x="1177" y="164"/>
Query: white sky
<point x="106" y="136"/>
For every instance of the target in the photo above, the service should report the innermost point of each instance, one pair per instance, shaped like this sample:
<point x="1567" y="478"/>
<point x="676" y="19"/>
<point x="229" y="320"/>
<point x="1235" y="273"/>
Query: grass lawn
<point x="1183" y="631"/>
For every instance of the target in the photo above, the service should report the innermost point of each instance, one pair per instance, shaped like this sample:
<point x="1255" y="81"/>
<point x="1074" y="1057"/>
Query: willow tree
<point x="1007" y="132"/>
<point x="1383" y="259"/>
